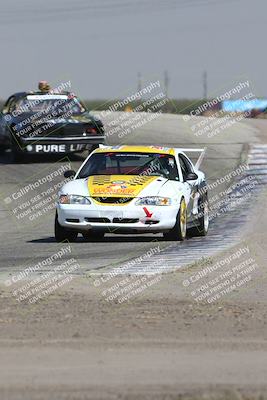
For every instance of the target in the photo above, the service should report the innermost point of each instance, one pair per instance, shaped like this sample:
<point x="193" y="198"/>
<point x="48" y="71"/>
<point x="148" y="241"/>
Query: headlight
<point x="153" y="201"/>
<point x="73" y="199"/>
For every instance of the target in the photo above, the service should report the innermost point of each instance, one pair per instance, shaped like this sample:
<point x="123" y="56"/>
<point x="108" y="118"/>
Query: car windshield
<point x="116" y="163"/>
<point x="48" y="104"/>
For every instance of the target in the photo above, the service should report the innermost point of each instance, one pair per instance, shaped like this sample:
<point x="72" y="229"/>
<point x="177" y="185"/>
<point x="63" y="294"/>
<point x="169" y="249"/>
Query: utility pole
<point x="205" y="85"/>
<point x="166" y="82"/>
<point x="139" y="81"/>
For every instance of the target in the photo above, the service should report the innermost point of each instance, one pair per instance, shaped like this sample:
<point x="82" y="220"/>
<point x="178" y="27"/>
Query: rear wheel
<point x="178" y="232"/>
<point x="62" y="233"/>
<point x="91" y="236"/>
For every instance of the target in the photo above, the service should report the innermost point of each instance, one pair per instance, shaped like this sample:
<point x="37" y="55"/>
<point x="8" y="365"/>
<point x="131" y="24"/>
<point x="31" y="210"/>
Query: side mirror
<point x="69" y="174"/>
<point x="191" y="176"/>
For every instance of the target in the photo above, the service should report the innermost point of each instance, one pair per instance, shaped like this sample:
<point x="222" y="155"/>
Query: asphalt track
<point x="162" y="344"/>
<point x="20" y="241"/>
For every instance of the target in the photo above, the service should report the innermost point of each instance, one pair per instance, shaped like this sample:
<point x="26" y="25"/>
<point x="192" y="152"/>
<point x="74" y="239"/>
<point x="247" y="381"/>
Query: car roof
<point x="136" y="149"/>
<point x="24" y="94"/>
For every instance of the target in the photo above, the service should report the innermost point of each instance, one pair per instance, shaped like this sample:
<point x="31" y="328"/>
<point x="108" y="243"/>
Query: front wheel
<point x="62" y="233"/>
<point x="178" y="232"/>
<point x="17" y="155"/>
<point x="2" y="149"/>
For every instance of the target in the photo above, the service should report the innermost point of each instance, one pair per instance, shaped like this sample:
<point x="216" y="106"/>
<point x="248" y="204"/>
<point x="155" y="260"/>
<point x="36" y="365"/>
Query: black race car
<point x="45" y="122"/>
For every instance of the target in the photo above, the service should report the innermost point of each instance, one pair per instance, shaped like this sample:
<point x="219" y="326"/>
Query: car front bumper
<point x="60" y="144"/>
<point x="117" y="218"/>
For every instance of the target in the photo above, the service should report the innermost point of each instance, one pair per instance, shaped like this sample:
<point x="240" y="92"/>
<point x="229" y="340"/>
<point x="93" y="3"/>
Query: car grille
<point x="113" y="200"/>
<point x="115" y="220"/>
<point x="101" y="220"/>
<point x="125" y="220"/>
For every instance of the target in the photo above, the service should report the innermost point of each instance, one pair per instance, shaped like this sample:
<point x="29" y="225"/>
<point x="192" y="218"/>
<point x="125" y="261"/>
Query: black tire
<point x="62" y="234"/>
<point x="17" y="157"/>
<point x="178" y="232"/>
<point x="17" y="154"/>
<point x="93" y="236"/>
<point x="2" y="150"/>
<point x="202" y="223"/>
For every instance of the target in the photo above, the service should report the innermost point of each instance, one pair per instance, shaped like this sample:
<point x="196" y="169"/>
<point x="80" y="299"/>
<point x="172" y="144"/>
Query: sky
<point x="102" y="45"/>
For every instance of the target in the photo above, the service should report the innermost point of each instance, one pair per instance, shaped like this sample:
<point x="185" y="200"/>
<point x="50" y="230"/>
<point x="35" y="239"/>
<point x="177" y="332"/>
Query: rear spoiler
<point x="201" y="156"/>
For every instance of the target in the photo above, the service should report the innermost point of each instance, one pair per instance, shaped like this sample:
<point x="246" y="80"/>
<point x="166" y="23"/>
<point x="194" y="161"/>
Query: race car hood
<point x="117" y="186"/>
<point x="124" y="186"/>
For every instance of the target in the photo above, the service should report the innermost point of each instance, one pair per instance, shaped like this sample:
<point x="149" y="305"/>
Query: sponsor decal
<point x="54" y="148"/>
<point x="116" y="185"/>
<point x="129" y="186"/>
<point x="47" y="148"/>
<point x="107" y="190"/>
<point x="47" y="97"/>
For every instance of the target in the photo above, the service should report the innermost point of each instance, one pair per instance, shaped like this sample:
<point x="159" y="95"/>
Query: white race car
<point x="134" y="189"/>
